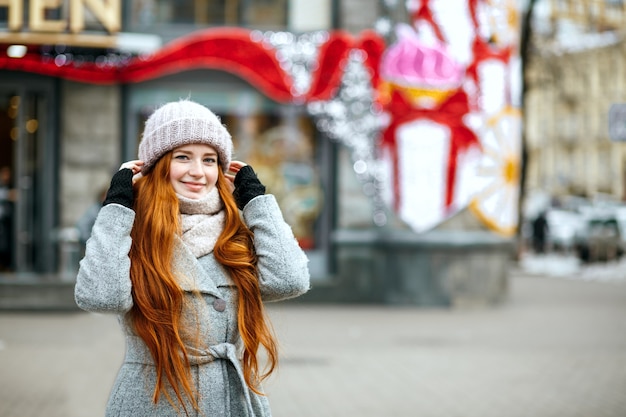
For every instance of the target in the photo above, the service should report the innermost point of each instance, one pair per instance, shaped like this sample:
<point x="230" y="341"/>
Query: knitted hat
<point x="181" y="123"/>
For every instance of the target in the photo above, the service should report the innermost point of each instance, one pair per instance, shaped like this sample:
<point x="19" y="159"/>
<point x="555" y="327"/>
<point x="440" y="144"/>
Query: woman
<point x="188" y="273"/>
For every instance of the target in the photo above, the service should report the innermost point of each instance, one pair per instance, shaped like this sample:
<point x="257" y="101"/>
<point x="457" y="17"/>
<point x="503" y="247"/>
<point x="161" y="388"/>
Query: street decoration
<point x="450" y="87"/>
<point x="255" y="56"/>
<point x="431" y="119"/>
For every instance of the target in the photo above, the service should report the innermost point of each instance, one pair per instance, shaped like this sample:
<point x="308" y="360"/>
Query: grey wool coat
<point x="103" y="285"/>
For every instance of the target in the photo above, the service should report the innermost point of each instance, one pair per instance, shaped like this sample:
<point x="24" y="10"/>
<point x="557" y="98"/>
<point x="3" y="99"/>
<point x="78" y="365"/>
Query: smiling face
<point x="193" y="170"/>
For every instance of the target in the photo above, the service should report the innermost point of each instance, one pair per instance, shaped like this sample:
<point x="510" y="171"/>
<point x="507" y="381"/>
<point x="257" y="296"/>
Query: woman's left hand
<point x="246" y="184"/>
<point x="233" y="169"/>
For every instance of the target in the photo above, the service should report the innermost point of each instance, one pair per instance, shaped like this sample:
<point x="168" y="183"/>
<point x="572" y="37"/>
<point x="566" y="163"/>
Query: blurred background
<point x="409" y="144"/>
<point x="454" y="169"/>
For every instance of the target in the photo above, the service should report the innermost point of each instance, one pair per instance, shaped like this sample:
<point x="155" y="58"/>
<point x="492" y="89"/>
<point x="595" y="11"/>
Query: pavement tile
<point x="554" y="348"/>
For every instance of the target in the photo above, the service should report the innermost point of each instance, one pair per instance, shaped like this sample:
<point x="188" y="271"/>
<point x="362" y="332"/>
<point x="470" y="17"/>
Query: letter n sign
<point x="617" y="122"/>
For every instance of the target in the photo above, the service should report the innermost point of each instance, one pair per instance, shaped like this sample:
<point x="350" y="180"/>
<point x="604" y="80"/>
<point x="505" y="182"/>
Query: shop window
<point x="282" y="151"/>
<point x="8" y="135"/>
<point x="252" y="13"/>
<point x="27" y="181"/>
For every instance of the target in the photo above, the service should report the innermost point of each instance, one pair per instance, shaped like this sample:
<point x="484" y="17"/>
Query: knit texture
<point x="181" y="123"/>
<point x="202" y="222"/>
<point x="121" y="189"/>
<point x="247" y="186"/>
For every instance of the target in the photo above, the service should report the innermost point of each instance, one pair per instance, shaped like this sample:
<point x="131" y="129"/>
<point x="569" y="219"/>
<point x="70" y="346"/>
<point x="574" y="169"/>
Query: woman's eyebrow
<point x="190" y="152"/>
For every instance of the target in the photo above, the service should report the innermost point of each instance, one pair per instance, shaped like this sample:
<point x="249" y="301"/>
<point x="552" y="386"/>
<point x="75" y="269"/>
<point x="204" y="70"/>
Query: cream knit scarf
<point x="202" y="222"/>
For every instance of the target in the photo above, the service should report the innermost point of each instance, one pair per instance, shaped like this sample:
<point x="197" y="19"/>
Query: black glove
<point x="247" y="186"/>
<point x="121" y="189"/>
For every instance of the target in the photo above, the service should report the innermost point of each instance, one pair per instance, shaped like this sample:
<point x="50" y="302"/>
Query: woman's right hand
<point x="121" y="189"/>
<point x="135" y="166"/>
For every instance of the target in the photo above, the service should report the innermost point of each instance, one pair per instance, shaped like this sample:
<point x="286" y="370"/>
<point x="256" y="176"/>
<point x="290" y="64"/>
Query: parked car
<point x="563" y="226"/>
<point x="600" y="238"/>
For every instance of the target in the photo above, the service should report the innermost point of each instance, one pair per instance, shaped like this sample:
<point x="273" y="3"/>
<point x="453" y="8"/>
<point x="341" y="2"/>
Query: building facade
<point x="62" y="138"/>
<point x="575" y="74"/>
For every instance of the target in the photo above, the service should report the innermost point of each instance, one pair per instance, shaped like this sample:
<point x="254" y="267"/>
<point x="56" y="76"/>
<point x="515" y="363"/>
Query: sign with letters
<point x="617" y="122"/>
<point x="33" y="27"/>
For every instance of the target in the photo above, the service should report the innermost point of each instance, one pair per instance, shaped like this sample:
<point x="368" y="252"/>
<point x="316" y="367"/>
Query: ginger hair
<point x="158" y="299"/>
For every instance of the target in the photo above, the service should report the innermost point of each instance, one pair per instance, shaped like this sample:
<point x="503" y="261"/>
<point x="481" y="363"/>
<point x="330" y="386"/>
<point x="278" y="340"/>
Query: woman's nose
<point x="195" y="168"/>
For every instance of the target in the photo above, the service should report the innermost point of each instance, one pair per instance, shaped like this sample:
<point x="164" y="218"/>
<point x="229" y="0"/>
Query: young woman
<point x="186" y="249"/>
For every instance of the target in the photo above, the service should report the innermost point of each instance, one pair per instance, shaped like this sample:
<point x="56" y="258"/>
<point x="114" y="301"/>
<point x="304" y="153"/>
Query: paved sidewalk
<point x="556" y="348"/>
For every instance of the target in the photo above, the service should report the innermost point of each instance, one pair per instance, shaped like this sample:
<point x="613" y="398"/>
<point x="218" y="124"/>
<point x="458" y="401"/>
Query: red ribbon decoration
<point x="226" y="49"/>
<point x="424" y="13"/>
<point x="333" y="54"/>
<point x="483" y="51"/>
<point x="450" y="114"/>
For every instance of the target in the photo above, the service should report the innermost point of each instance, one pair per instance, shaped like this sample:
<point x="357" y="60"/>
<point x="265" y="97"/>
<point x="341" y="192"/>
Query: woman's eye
<point x="210" y="160"/>
<point x="181" y="157"/>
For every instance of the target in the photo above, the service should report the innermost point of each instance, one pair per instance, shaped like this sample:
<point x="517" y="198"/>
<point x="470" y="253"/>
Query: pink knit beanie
<point x="180" y="123"/>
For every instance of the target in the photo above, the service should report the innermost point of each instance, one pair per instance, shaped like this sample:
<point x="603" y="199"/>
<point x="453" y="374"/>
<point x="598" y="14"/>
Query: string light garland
<point x="62" y="55"/>
<point x="351" y="117"/>
<point x="297" y="54"/>
<point x="354" y="119"/>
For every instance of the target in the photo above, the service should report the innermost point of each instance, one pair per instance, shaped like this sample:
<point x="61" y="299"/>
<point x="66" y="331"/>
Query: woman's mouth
<point x="194" y="186"/>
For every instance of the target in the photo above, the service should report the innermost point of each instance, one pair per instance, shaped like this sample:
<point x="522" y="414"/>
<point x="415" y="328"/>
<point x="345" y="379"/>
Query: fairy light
<point x="353" y="119"/>
<point x="16" y="51"/>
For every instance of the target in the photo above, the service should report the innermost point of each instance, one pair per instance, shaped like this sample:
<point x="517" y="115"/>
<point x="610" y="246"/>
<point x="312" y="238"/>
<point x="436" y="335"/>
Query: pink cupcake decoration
<point x="425" y="74"/>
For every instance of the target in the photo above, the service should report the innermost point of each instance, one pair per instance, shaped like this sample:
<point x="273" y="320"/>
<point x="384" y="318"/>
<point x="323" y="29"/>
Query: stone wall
<point x="90" y="145"/>
<point x="358" y="15"/>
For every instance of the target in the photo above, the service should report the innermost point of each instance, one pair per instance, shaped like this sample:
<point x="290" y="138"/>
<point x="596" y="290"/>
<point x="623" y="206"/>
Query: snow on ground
<point x="567" y="266"/>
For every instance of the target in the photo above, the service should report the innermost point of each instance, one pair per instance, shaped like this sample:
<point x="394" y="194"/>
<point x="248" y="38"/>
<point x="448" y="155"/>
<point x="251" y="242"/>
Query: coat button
<point x="219" y="305"/>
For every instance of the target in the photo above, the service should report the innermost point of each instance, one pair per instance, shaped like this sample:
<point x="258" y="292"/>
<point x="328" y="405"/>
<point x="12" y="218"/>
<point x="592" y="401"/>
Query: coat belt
<point x="138" y="352"/>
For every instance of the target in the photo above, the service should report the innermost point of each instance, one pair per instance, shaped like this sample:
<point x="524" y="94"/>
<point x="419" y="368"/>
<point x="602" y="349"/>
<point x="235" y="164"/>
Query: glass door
<point x="27" y="180"/>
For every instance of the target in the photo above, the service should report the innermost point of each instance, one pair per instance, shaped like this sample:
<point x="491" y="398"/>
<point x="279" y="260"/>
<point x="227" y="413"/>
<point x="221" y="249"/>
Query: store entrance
<point x="27" y="181"/>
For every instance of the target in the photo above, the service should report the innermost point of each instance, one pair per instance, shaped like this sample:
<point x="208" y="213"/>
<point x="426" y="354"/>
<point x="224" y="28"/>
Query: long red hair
<point x="159" y="300"/>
